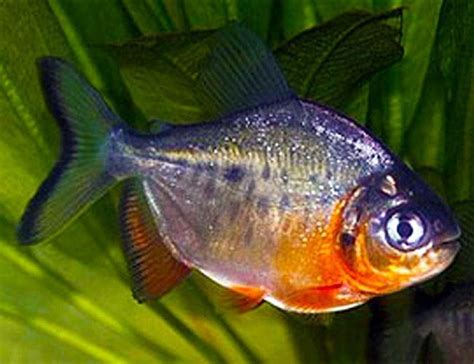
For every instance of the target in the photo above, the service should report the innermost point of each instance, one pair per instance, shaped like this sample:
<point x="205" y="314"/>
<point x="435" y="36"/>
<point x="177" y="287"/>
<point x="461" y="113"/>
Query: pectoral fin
<point x="153" y="268"/>
<point x="319" y="299"/>
<point x="243" y="298"/>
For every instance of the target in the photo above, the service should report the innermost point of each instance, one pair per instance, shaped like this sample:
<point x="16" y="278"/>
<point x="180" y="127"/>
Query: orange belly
<point x="308" y="265"/>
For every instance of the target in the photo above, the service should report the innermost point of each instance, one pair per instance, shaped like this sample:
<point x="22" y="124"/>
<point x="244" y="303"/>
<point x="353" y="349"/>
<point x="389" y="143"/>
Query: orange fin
<point x="243" y="298"/>
<point x="154" y="270"/>
<point x="316" y="299"/>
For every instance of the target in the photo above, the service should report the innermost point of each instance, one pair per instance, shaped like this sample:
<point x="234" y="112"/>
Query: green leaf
<point x="392" y="95"/>
<point x="257" y="15"/>
<point x="456" y="64"/>
<point x="443" y="124"/>
<point x="330" y="9"/>
<point x="329" y="62"/>
<point x="160" y="73"/>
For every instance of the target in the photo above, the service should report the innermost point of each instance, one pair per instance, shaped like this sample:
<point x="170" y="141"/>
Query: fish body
<point x="280" y="199"/>
<point x="260" y="195"/>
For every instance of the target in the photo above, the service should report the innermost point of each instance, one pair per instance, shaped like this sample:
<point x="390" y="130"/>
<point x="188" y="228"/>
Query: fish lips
<point x="449" y="239"/>
<point x="448" y="245"/>
<point x="451" y="246"/>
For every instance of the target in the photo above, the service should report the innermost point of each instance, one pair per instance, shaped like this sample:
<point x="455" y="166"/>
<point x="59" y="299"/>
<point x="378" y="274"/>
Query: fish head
<point x="395" y="232"/>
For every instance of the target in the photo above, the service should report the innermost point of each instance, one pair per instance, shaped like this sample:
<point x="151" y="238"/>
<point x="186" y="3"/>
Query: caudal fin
<point x="79" y="177"/>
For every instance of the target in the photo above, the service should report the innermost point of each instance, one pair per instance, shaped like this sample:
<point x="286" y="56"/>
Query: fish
<point x="437" y="329"/>
<point x="277" y="199"/>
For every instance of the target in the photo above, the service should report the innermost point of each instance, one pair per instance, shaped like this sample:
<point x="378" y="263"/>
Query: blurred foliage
<point x="69" y="299"/>
<point x="324" y="63"/>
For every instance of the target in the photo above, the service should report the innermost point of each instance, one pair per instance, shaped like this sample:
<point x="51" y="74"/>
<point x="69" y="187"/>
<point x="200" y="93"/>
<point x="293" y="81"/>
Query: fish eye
<point x="405" y="230"/>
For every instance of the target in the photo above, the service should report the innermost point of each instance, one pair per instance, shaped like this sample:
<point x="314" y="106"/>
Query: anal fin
<point x="154" y="270"/>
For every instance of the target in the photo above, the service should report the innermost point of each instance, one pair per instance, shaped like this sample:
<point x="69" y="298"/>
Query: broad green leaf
<point x="198" y="14"/>
<point x="393" y="92"/>
<point x="329" y="62"/>
<point x="420" y="20"/>
<point x="257" y="15"/>
<point x="297" y="15"/>
<point x="160" y="73"/>
<point x="27" y="145"/>
<point x="426" y="131"/>
<point x="326" y="10"/>
<point x="443" y="122"/>
<point x="145" y="16"/>
<point x="84" y="30"/>
<point x="456" y="64"/>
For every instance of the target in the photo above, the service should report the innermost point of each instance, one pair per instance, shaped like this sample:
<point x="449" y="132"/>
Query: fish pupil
<point x="404" y="229"/>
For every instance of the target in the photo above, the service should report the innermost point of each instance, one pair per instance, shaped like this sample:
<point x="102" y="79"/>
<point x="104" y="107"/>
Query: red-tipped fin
<point x="243" y="298"/>
<point x="154" y="270"/>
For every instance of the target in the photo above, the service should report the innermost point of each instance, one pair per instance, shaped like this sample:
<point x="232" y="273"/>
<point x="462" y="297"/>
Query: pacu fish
<point x="279" y="199"/>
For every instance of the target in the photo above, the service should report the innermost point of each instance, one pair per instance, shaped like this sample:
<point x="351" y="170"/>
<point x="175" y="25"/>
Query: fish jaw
<point x="441" y="256"/>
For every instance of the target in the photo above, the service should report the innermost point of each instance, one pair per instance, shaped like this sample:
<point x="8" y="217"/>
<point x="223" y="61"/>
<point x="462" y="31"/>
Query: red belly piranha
<point x="279" y="199"/>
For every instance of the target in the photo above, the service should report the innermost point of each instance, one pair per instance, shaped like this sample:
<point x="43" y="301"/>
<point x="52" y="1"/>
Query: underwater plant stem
<point x="78" y="46"/>
<point x="206" y="349"/>
<point x="244" y="349"/>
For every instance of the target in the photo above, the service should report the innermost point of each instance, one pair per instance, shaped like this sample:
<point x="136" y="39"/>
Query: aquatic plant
<point x="69" y="299"/>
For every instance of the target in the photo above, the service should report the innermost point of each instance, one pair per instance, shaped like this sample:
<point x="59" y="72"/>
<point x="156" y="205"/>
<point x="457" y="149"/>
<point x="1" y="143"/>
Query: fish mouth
<point x="450" y="245"/>
<point x="447" y="250"/>
<point x="442" y="256"/>
<point x="449" y="239"/>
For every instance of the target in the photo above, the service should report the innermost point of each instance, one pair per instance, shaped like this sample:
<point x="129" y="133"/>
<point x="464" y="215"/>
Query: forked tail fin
<point x="79" y="177"/>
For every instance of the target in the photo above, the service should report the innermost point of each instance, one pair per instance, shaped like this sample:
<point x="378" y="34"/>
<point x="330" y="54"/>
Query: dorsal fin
<point x="154" y="270"/>
<point x="241" y="73"/>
